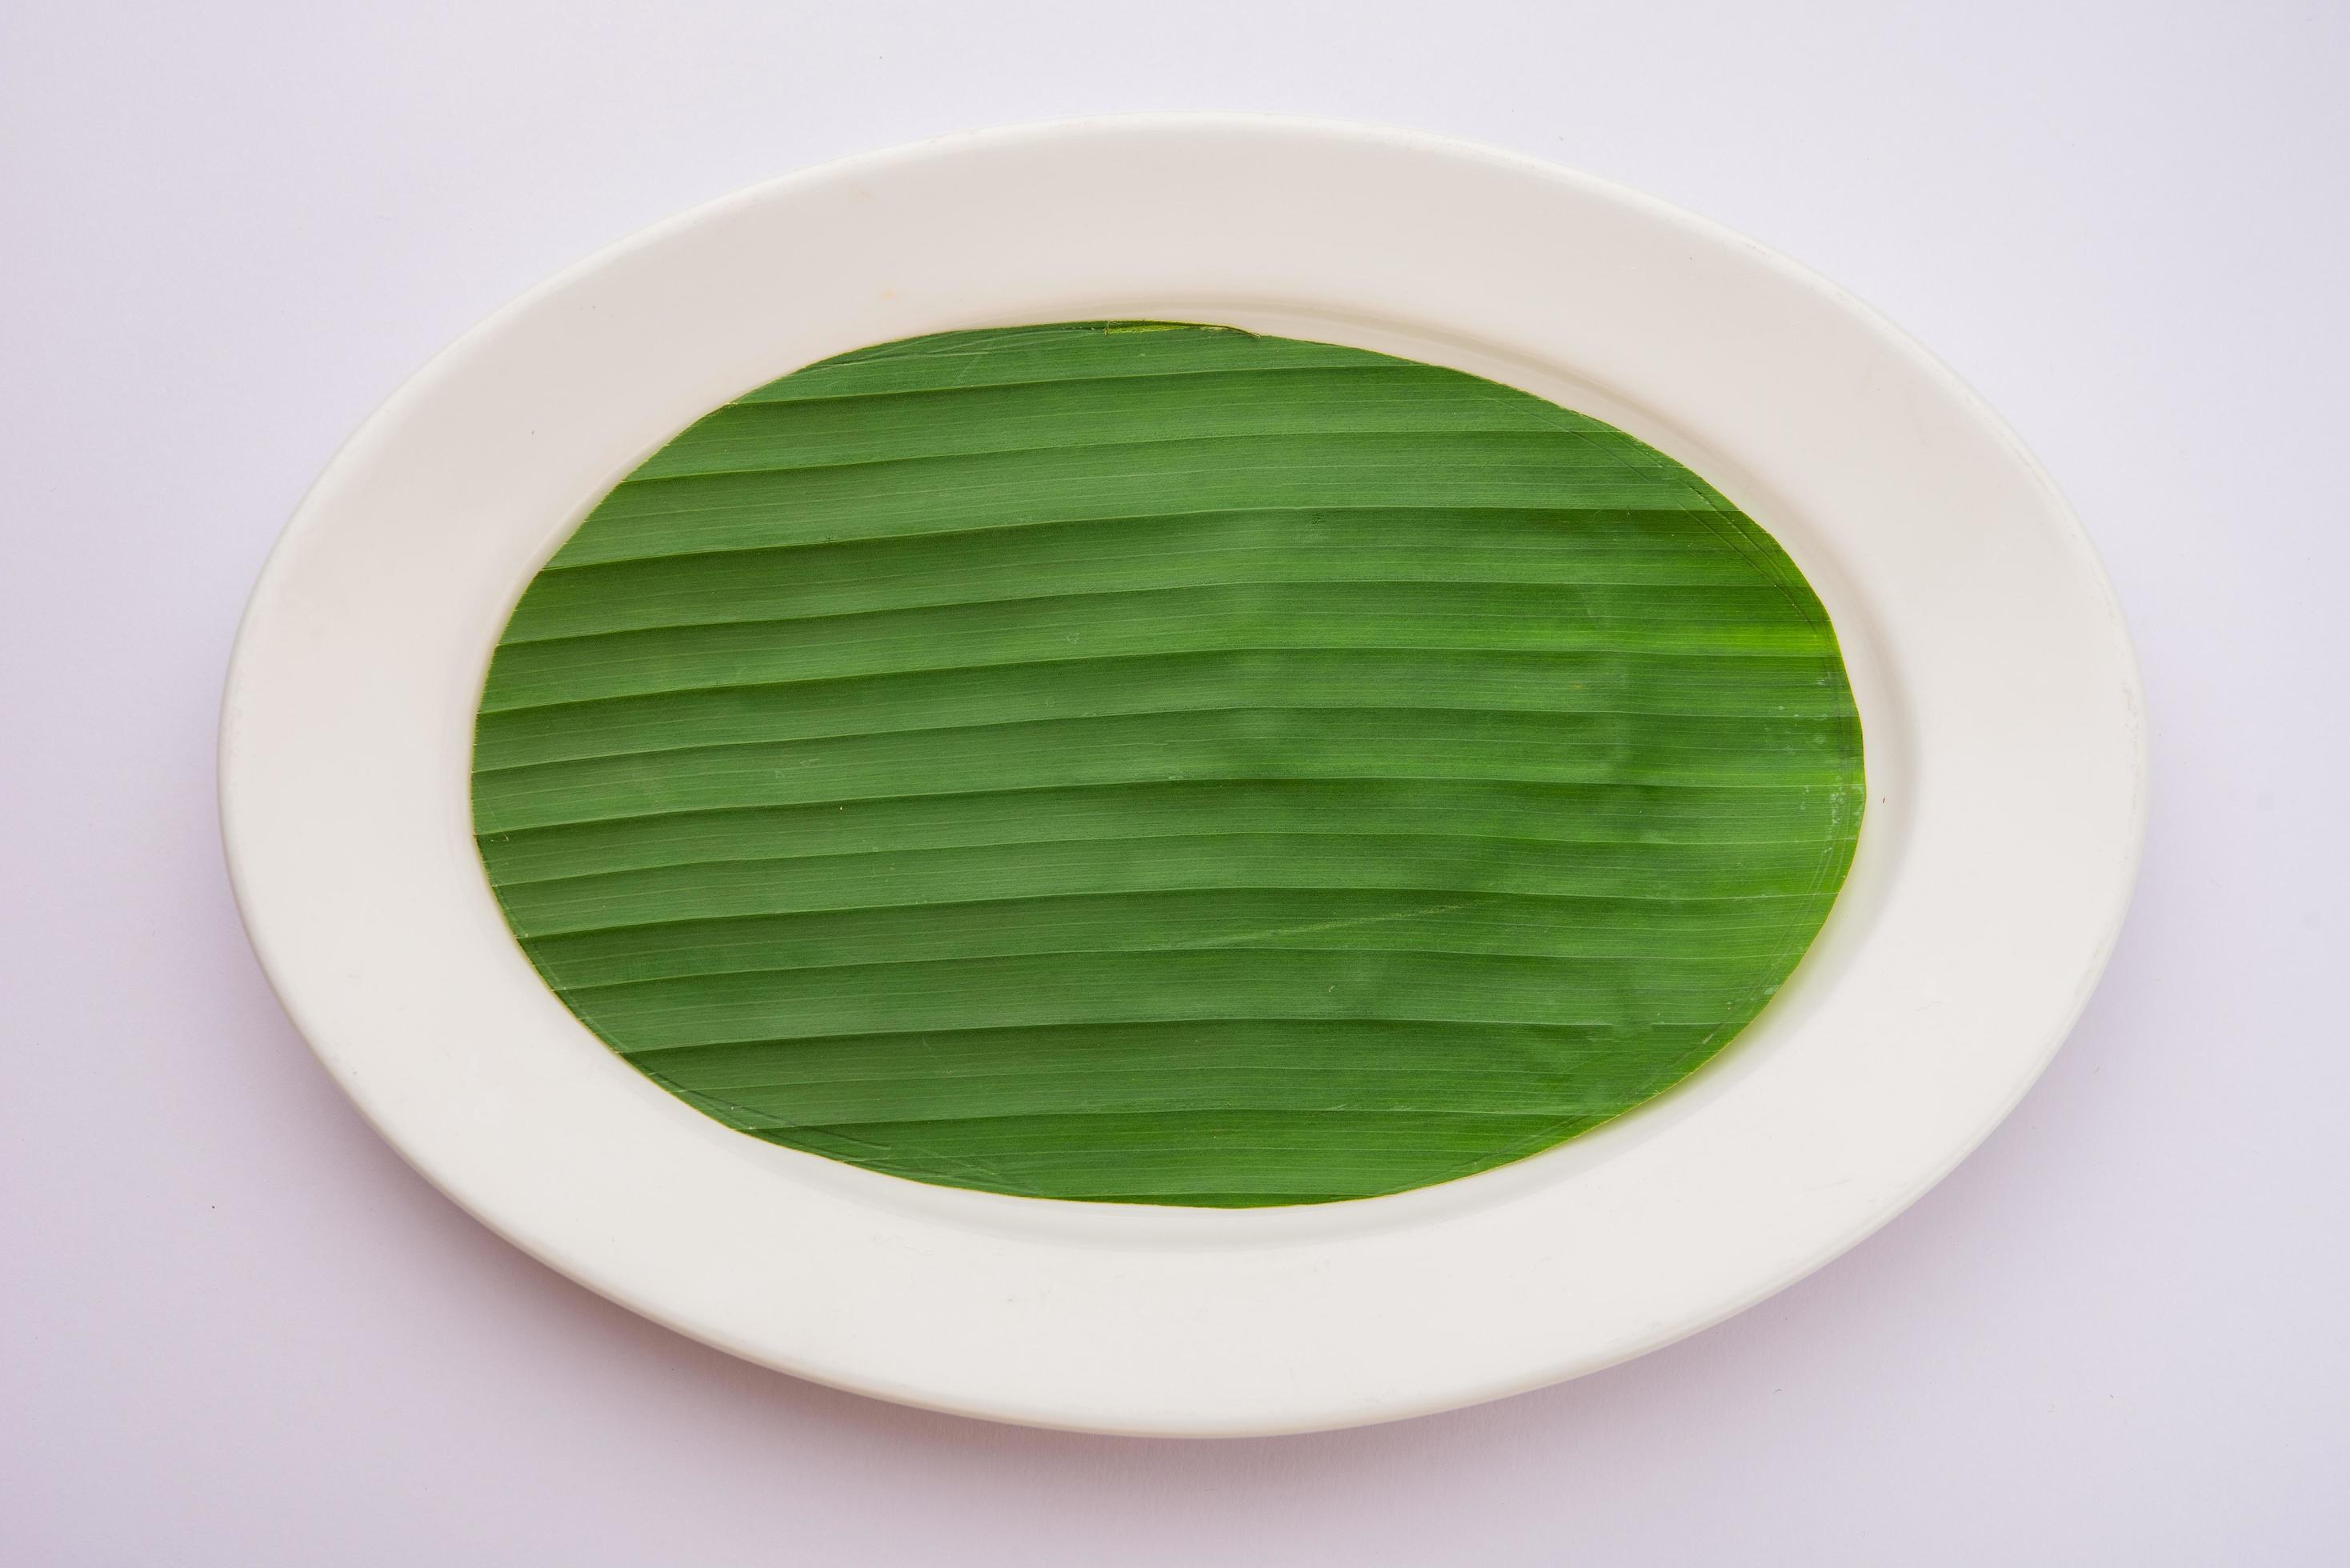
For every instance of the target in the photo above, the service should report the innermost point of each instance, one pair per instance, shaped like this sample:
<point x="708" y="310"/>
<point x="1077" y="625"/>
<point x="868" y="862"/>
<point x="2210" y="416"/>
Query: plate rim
<point x="254" y="778"/>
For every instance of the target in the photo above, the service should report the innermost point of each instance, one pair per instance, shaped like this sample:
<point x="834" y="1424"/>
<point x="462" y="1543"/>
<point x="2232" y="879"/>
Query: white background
<point x="236" y="1329"/>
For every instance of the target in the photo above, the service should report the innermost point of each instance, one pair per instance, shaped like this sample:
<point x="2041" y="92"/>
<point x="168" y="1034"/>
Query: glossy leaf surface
<point x="1165" y="764"/>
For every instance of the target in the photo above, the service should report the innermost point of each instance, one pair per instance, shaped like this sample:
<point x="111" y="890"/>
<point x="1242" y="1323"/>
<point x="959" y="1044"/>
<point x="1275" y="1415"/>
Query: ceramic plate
<point x="1993" y="676"/>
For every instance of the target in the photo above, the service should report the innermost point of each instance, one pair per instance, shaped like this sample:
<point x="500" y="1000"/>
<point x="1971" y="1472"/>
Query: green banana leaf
<point x="1161" y="764"/>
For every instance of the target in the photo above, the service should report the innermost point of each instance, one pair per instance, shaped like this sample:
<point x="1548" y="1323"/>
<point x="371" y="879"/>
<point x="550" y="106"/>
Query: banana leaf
<point x="1151" y="763"/>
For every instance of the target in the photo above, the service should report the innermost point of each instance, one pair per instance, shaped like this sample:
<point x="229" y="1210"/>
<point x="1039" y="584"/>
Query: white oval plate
<point x="1997" y="694"/>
